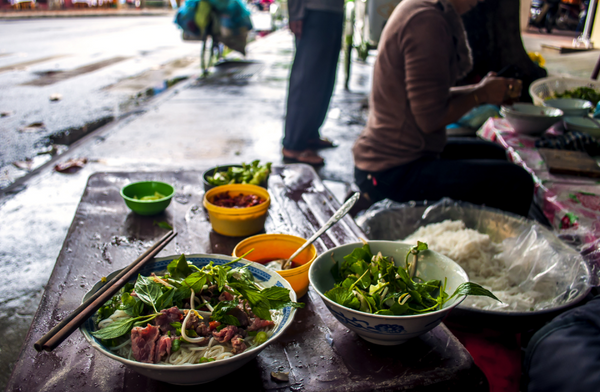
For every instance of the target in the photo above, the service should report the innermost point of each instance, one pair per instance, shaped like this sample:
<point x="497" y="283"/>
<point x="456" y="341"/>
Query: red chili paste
<point x="240" y="201"/>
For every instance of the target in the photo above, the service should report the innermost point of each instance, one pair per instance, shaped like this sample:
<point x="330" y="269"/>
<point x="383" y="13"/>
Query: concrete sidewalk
<point x="234" y="116"/>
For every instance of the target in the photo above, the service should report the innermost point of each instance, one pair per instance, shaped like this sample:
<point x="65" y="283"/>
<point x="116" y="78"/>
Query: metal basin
<point x="388" y="220"/>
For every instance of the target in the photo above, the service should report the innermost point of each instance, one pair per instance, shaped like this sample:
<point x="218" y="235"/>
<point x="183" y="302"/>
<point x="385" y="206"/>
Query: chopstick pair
<point x="67" y="326"/>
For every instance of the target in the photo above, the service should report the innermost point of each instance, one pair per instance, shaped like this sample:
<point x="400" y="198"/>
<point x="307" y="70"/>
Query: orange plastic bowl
<point x="269" y="247"/>
<point x="237" y="222"/>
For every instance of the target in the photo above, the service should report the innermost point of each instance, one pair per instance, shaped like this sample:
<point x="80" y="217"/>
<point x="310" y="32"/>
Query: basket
<point x="545" y="88"/>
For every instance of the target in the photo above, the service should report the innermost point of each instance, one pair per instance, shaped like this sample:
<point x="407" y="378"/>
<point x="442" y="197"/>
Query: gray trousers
<point x="312" y="77"/>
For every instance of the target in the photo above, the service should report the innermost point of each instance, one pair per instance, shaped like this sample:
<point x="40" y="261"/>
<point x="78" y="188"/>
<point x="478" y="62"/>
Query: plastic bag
<point x="536" y="260"/>
<point x="227" y="21"/>
<point x="475" y="118"/>
<point x="185" y="17"/>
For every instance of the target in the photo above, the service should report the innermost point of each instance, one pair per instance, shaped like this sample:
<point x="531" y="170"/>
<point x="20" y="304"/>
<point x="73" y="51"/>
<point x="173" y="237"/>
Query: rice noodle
<point x="485" y="263"/>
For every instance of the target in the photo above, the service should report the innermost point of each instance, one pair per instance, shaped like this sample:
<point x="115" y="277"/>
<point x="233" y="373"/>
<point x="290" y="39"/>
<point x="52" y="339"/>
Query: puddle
<point x="71" y="135"/>
<point x="50" y="77"/>
<point x="34" y="127"/>
<point x="31" y="62"/>
<point x="236" y="69"/>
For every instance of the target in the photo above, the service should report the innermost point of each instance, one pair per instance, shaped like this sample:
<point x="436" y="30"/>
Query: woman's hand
<point x="296" y="28"/>
<point x="497" y="90"/>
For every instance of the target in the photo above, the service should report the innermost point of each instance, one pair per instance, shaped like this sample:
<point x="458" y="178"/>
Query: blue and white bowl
<point x="384" y="329"/>
<point x="204" y="372"/>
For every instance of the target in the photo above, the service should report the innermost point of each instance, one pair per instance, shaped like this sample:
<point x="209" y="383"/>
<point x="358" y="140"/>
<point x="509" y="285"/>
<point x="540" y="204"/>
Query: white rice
<point x="486" y="263"/>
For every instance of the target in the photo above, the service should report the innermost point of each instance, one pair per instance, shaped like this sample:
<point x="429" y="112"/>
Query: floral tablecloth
<point x="571" y="203"/>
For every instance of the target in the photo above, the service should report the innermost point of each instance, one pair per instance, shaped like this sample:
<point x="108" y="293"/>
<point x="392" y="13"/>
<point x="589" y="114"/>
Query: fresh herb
<point x="181" y="278"/>
<point x="175" y="345"/>
<point x="163" y="225"/>
<point x="261" y="337"/>
<point x="188" y="332"/>
<point x="373" y="284"/>
<point x="179" y="268"/>
<point x="148" y="291"/>
<point x="108" y="308"/>
<point x="121" y="327"/>
<point x="155" y="196"/>
<point x="587" y="93"/>
<point x="254" y="174"/>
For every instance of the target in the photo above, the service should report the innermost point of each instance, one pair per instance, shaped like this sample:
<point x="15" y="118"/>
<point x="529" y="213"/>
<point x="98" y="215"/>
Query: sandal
<point x="321" y="143"/>
<point x="307" y="156"/>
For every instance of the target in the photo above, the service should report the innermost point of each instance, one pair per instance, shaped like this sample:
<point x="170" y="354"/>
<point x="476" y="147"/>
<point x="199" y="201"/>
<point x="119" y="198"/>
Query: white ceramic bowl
<point x="205" y="372"/>
<point x="528" y="119"/>
<point x="383" y="329"/>
<point x="583" y="124"/>
<point x="570" y="106"/>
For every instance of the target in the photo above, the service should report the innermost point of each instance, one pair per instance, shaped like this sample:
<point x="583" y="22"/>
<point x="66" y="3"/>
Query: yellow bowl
<point x="269" y="247"/>
<point x="237" y="222"/>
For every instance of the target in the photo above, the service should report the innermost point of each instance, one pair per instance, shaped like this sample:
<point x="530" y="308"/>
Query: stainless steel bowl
<point x="388" y="220"/>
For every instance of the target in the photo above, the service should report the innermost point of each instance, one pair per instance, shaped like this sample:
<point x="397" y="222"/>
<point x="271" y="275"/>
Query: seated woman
<point x="403" y="153"/>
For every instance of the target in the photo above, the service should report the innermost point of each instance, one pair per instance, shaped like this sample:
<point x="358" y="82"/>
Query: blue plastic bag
<point x="233" y="15"/>
<point x="184" y="17"/>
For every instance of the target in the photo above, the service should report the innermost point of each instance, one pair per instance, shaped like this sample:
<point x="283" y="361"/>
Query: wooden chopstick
<point x="65" y="328"/>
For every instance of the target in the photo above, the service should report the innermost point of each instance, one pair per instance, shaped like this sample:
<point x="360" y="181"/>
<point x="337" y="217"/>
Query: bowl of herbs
<point x="253" y="173"/>
<point x="389" y="292"/>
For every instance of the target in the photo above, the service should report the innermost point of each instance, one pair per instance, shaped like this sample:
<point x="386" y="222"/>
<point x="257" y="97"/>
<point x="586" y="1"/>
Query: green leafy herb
<point x="130" y="305"/>
<point x="587" y="93"/>
<point x="163" y="225"/>
<point x="179" y="268"/>
<point x="220" y="313"/>
<point x="253" y="173"/>
<point x="121" y="327"/>
<point x="175" y="345"/>
<point x="148" y="291"/>
<point x="373" y="284"/>
<point x="261" y="337"/>
<point x="108" y="308"/>
<point x="209" y="281"/>
<point x="470" y="288"/>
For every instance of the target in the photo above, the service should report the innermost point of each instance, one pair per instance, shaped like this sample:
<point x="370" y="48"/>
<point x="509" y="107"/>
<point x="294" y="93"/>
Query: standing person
<point x="317" y="26"/>
<point x="403" y="154"/>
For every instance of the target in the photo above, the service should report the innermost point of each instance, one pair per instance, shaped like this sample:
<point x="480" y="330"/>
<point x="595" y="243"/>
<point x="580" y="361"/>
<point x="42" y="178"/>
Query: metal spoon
<point x="339" y="214"/>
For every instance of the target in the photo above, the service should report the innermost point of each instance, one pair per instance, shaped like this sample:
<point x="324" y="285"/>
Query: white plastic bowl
<point x="570" y="106"/>
<point x="204" y="372"/>
<point x="547" y="88"/>
<point x="384" y="329"/>
<point x="583" y="124"/>
<point x="528" y="119"/>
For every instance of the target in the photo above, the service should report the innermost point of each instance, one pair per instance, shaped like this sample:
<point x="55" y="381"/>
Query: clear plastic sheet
<point x="536" y="260"/>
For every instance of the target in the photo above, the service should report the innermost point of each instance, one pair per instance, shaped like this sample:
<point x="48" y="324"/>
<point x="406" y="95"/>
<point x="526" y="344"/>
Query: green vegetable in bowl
<point x="587" y="93"/>
<point x="373" y="284"/>
<point x="155" y="196"/>
<point x="252" y="174"/>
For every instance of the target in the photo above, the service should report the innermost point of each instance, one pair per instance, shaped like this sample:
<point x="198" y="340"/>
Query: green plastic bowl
<point x="147" y="188"/>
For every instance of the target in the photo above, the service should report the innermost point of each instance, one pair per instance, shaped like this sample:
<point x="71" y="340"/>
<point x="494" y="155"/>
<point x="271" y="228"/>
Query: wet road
<point x="61" y="77"/>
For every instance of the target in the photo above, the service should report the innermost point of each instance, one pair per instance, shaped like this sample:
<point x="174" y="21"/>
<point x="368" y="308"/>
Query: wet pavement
<point x="236" y="115"/>
<point x="63" y="78"/>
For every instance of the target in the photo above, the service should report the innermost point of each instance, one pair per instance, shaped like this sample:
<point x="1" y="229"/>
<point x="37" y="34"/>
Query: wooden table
<point x="320" y="353"/>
